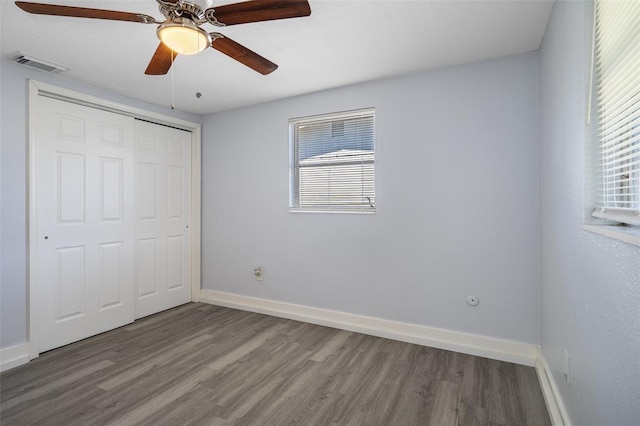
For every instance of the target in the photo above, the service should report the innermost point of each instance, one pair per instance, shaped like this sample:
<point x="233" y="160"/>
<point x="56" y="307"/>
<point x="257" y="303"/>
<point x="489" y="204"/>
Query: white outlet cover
<point x="258" y="273"/>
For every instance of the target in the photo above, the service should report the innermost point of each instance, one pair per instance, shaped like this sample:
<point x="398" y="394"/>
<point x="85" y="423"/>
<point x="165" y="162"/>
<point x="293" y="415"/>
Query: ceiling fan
<point x="180" y="32"/>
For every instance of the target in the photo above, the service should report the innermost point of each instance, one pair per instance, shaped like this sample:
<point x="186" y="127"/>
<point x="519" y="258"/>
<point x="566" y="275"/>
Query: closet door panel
<point x="86" y="220"/>
<point x="163" y="161"/>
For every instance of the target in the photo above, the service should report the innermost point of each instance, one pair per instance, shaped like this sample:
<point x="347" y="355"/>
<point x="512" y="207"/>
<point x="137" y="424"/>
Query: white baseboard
<point x="14" y="356"/>
<point x="488" y="347"/>
<point x="555" y="406"/>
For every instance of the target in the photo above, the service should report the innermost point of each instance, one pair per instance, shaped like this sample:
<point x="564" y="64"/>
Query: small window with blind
<point x="615" y="115"/>
<point x="332" y="163"/>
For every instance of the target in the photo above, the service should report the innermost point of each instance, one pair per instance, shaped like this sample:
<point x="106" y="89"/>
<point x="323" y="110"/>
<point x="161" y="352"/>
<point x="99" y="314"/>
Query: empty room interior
<point x="322" y="212"/>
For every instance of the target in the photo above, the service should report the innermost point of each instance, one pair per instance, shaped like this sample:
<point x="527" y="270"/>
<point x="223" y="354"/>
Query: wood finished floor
<point x="200" y="364"/>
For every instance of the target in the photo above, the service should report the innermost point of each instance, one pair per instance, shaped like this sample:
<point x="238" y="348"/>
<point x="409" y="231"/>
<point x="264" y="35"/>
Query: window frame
<point x="294" y="163"/>
<point x="619" y="223"/>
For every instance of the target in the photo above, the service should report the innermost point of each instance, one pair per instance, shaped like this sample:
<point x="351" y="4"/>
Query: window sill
<point x="627" y="234"/>
<point x="332" y="211"/>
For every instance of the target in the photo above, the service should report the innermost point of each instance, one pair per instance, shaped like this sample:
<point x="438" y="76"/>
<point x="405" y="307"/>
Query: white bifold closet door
<point x="163" y="237"/>
<point x="112" y="203"/>
<point x="85" y="205"/>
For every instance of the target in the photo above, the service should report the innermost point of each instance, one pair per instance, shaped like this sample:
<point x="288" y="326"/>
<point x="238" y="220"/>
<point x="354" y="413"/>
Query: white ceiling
<point x="342" y="42"/>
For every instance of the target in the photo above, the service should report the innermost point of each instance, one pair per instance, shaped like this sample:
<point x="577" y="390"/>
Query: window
<point x="616" y="110"/>
<point x="332" y="162"/>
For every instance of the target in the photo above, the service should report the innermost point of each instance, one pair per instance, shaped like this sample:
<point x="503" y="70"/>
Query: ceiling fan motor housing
<point x="197" y="11"/>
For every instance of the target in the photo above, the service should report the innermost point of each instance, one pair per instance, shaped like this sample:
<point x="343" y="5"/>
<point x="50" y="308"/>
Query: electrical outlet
<point x="257" y="272"/>
<point x="566" y="368"/>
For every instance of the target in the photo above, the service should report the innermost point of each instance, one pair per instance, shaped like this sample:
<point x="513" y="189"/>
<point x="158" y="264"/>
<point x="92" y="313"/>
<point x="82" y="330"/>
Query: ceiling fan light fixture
<point x="183" y="36"/>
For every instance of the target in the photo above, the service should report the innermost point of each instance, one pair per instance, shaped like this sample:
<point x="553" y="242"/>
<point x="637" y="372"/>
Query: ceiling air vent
<point x="38" y="64"/>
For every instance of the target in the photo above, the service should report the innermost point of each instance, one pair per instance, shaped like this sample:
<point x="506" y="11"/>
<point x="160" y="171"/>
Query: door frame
<point x="37" y="89"/>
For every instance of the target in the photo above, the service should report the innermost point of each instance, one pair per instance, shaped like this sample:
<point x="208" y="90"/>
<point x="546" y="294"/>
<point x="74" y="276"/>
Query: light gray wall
<point x="13" y="189"/>
<point x="457" y="204"/>
<point x="590" y="284"/>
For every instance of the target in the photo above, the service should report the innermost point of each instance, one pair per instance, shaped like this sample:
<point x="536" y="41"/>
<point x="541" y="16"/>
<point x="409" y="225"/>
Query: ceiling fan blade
<point x="83" y="12"/>
<point x="261" y="10"/>
<point x="242" y="54"/>
<point x="161" y="61"/>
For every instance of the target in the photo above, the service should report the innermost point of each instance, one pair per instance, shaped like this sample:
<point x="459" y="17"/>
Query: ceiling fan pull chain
<point x="172" y="105"/>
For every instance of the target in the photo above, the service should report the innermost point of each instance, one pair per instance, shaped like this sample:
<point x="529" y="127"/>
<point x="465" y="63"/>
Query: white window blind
<point x="617" y="109"/>
<point x="332" y="162"/>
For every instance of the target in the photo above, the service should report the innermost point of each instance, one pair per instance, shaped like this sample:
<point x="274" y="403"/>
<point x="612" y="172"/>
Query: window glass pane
<point x="617" y="109"/>
<point x="332" y="162"/>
